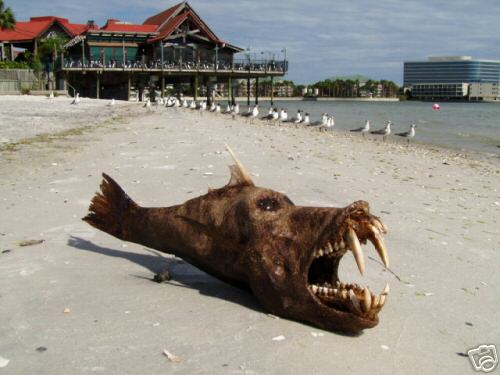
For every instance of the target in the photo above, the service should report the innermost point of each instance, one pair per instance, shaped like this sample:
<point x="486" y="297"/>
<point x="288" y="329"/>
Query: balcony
<point x="241" y="68"/>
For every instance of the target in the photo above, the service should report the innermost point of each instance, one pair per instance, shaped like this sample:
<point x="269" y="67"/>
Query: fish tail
<point x="111" y="209"/>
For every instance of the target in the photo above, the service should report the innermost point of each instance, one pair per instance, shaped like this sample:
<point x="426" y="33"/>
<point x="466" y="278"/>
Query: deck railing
<point x="243" y="65"/>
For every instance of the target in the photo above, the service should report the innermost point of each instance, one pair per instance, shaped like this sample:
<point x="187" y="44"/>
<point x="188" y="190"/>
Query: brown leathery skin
<point x="251" y="237"/>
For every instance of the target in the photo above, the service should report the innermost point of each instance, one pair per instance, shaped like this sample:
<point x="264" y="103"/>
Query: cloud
<point x="322" y="38"/>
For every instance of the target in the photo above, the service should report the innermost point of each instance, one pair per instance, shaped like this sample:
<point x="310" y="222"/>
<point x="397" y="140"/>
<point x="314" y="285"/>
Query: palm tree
<point x="7" y="19"/>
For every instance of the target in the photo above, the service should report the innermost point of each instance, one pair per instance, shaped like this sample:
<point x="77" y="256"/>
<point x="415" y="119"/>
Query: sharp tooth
<point x="330" y="292"/>
<point x="314" y="289"/>
<point x="380" y="226"/>
<point x="336" y="246"/>
<point x="335" y="291"/>
<point x="354" y="301"/>
<point x="342" y="244"/>
<point x="337" y="283"/>
<point x="375" y="301"/>
<point x="320" y="252"/>
<point x="382" y="300"/>
<point x="344" y="294"/>
<point x="329" y="246"/>
<point x="367" y="300"/>
<point x="353" y="242"/>
<point x="378" y="242"/>
<point x="386" y="290"/>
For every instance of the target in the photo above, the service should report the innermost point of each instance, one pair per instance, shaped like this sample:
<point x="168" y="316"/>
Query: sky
<point x="322" y="38"/>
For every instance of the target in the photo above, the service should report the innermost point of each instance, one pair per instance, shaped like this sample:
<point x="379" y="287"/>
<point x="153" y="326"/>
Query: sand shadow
<point x="182" y="272"/>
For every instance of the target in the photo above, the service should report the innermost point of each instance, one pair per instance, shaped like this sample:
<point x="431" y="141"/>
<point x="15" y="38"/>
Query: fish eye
<point x="268" y="204"/>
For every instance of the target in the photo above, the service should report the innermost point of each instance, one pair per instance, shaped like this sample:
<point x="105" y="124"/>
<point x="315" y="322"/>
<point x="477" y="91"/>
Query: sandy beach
<point x="82" y="301"/>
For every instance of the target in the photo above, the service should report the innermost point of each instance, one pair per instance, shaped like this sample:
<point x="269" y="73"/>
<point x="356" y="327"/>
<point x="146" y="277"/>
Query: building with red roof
<point x="174" y="46"/>
<point x="28" y="34"/>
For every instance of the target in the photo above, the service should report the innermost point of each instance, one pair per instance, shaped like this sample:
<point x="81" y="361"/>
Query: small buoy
<point x="436" y="107"/>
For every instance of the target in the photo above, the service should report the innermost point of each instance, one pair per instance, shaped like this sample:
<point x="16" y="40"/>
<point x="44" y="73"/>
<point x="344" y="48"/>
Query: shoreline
<point x="133" y="109"/>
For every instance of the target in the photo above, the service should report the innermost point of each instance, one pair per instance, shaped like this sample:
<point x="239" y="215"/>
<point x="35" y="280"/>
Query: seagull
<point x="235" y="111"/>
<point x="112" y="102"/>
<point x="217" y="109"/>
<point x="251" y="115"/>
<point x="51" y="96"/>
<point x="228" y="110"/>
<point x="384" y="132"/>
<point x="276" y="116"/>
<point x="185" y="103"/>
<point x="330" y="123"/>
<point x="409" y="134"/>
<point x="297" y="118"/>
<point x="148" y="104"/>
<point x="305" y="120"/>
<point x="192" y="105"/>
<point x="203" y="106"/>
<point x="364" y="129"/>
<point x="270" y="114"/>
<point x="322" y="122"/>
<point x="76" y="100"/>
<point x="212" y="107"/>
<point x="283" y="117"/>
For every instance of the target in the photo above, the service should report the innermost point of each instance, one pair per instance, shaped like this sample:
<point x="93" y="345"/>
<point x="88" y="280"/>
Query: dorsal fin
<point x="239" y="175"/>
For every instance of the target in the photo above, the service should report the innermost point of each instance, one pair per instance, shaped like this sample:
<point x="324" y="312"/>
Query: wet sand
<point x="82" y="301"/>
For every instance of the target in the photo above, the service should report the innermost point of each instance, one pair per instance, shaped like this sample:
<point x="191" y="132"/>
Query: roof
<point x="169" y="20"/>
<point x="117" y="25"/>
<point x="36" y="26"/>
<point x="160" y="18"/>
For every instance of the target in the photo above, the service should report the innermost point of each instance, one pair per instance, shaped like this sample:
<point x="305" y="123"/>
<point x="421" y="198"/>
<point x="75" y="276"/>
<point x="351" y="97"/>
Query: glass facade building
<point x="448" y="77"/>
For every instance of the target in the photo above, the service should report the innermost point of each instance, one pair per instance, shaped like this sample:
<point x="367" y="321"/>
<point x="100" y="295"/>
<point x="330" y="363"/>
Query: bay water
<point x="466" y="126"/>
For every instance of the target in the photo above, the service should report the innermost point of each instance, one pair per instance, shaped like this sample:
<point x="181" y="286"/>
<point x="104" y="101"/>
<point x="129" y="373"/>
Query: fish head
<point x="292" y="253"/>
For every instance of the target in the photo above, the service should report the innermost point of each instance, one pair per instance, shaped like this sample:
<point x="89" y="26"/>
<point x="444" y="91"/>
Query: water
<point x="468" y="126"/>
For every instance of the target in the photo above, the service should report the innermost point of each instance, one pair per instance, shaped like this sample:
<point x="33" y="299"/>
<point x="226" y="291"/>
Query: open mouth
<point x="323" y="281"/>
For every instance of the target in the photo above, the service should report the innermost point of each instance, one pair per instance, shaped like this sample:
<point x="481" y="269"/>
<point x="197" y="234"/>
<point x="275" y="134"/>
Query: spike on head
<point x="239" y="175"/>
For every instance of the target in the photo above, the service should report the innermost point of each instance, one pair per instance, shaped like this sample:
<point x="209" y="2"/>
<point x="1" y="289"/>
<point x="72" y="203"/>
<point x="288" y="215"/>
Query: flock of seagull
<point x="273" y="116"/>
<point x="385" y="131"/>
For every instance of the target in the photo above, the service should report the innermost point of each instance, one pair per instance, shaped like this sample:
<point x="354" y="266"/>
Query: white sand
<point x="442" y="209"/>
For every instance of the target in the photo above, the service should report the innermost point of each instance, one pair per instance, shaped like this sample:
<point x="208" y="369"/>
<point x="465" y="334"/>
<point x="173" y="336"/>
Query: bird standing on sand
<point x="203" y="107"/>
<point x="76" y="100"/>
<point x="112" y="102"/>
<point x="283" y="117"/>
<point x="254" y="114"/>
<point x="51" y="96"/>
<point x="409" y="134"/>
<point x="384" y="132"/>
<point x="305" y="120"/>
<point x="148" y="104"/>
<point x="330" y="123"/>
<point x="235" y="111"/>
<point x="322" y="122"/>
<point x="297" y="118"/>
<point x="269" y="115"/>
<point x="364" y="129"/>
